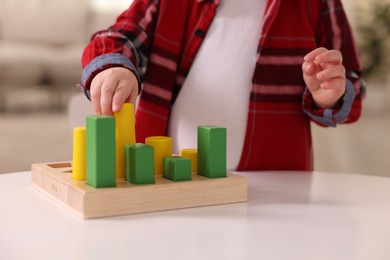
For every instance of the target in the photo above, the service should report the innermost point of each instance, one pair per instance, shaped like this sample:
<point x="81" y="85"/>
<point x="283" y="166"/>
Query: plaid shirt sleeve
<point x="124" y="44"/>
<point x="334" y="32"/>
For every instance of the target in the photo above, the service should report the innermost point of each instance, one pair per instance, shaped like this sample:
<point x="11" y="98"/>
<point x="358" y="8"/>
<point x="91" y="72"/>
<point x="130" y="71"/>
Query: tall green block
<point x="177" y="168"/>
<point x="139" y="160"/>
<point x="212" y="151"/>
<point x="100" y="141"/>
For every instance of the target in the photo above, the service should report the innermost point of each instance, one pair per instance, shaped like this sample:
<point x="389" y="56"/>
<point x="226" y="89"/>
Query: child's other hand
<point x="111" y="88"/>
<point x="324" y="75"/>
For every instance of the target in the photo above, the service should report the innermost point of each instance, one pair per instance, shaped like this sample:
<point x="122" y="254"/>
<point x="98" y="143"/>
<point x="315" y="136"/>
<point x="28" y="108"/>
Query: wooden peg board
<point x="54" y="180"/>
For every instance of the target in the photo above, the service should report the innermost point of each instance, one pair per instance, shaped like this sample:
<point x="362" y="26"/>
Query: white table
<point x="289" y="215"/>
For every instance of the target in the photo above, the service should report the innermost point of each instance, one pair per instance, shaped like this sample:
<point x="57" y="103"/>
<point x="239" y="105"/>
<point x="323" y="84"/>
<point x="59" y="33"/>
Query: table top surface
<point x="289" y="215"/>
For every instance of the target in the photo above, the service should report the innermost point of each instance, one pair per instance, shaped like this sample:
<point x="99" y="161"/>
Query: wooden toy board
<point x="54" y="180"/>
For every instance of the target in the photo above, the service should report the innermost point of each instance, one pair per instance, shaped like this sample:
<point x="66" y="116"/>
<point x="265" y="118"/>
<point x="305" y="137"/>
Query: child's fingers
<point x="133" y="95"/>
<point x="335" y="85"/>
<point x="126" y="91"/>
<point x="331" y="56"/>
<point x="311" y="56"/>
<point x="107" y="93"/>
<point x="121" y="94"/>
<point x="95" y="97"/>
<point x="133" y="89"/>
<point x="337" y="71"/>
<point x="308" y="68"/>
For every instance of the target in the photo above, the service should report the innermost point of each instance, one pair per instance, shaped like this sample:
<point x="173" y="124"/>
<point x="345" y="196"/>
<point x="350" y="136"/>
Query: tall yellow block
<point x="162" y="148"/>
<point x="192" y="154"/>
<point x="79" y="154"/>
<point x="124" y="134"/>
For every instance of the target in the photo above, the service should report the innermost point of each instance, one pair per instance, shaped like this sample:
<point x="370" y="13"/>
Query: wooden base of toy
<point x="54" y="179"/>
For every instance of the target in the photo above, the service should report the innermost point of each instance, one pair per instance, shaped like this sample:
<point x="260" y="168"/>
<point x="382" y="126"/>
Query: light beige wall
<point x="350" y="8"/>
<point x="359" y="9"/>
<point x="107" y="6"/>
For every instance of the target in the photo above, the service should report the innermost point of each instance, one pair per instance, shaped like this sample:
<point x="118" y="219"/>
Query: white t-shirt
<point x="217" y="89"/>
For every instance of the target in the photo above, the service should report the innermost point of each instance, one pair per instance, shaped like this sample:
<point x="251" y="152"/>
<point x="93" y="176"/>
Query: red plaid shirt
<point x="158" y="40"/>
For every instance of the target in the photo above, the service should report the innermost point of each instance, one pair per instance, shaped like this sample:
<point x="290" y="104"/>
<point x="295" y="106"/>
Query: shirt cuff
<point x="330" y="116"/>
<point x="103" y="62"/>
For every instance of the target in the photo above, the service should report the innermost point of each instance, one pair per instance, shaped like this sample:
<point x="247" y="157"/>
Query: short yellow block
<point x="79" y="154"/>
<point x="162" y="148"/>
<point x="124" y="134"/>
<point x="192" y="154"/>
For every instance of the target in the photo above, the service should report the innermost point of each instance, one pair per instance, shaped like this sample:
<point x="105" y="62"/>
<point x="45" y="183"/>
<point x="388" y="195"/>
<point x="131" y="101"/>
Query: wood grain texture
<point x="54" y="179"/>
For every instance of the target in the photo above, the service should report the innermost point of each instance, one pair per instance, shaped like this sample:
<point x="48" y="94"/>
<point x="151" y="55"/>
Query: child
<point x="262" y="69"/>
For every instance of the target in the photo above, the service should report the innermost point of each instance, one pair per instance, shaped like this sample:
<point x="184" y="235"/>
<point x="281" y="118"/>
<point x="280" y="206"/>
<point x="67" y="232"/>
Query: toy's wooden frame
<point x="54" y="180"/>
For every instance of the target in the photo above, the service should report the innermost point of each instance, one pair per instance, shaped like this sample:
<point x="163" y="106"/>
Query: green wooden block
<point x="100" y="141"/>
<point x="177" y="168"/>
<point x="212" y="151"/>
<point x="139" y="163"/>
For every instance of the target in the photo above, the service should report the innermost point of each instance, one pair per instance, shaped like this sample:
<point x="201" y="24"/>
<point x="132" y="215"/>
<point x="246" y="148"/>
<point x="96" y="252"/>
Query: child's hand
<point x="324" y="75"/>
<point x="111" y="88"/>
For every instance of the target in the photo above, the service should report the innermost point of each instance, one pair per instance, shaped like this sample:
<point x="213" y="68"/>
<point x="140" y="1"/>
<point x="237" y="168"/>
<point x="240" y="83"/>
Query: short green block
<point x="212" y="151"/>
<point x="177" y="168"/>
<point x="100" y="141"/>
<point x="139" y="160"/>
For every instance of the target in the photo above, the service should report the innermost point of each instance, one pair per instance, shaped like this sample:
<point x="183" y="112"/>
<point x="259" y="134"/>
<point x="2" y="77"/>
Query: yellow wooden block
<point x="124" y="134"/>
<point x="162" y="148"/>
<point x="79" y="153"/>
<point x="192" y="154"/>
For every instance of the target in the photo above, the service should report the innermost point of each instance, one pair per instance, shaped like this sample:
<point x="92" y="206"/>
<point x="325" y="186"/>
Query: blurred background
<point x="41" y="42"/>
